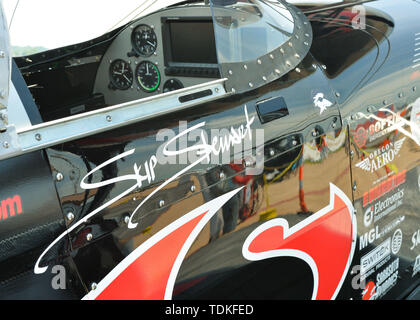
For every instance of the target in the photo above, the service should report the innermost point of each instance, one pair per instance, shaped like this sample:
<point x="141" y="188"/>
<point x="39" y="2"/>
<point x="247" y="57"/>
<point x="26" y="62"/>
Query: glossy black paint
<point x="364" y="68"/>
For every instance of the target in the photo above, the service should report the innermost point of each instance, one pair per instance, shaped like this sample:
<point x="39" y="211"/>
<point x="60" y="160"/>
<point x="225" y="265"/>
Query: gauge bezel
<point x="156" y="87"/>
<point x="133" y="42"/>
<point x="111" y="74"/>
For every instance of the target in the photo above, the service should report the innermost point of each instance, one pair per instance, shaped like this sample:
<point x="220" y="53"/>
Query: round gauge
<point x="172" y="84"/>
<point x="148" y="76"/>
<point x="121" y="74"/>
<point x="144" y="40"/>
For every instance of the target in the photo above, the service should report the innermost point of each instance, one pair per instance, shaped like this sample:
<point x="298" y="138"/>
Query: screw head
<point x="161" y="203"/>
<point x="272" y="152"/>
<point x="221" y="175"/>
<point x="5" y="144"/>
<point x="93" y="286"/>
<point x="70" y="216"/>
<point x="108" y="118"/>
<point x="38" y="136"/>
<point x="126" y="219"/>
<point x="59" y="176"/>
<point x="192" y="188"/>
<point x="89" y="237"/>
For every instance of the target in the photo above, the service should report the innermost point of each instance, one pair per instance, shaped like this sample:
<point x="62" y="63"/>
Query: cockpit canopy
<point x="258" y="41"/>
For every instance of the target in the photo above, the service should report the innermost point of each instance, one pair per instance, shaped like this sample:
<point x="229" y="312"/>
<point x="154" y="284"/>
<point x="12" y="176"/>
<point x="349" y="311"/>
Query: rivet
<point x="351" y="153"/>
<point x="230" y="72"/>
<point x="126" y="219"/>
<point x="2" y="54"/>
<point x="161" y="203"/>
<point x="192" y="188"/>
<point x="70" y="216"/>
<point x="298" y="70"/>
<point x="216" y="89"/>
<point x="288" y="63"/>
<point x="264" y="78"/>
<point x="89" y="237"/>
<point x="258" y="61"/>
<point x="108" y="118"/>
<point x="250" y="84"/>
<point x="272" y="152"/>
<point x="414" y="89"/>
<point x="400" y="95"/>
<point x="314" y="133"/>
<point x="297" y="56"/>
<point x="59" y="176"/>
<point x="354" y="186"/>
<point x="245" y="67"/>
<point x="277" y="71"/>
<point x="221" y="175"/>
<point x="333" y="125"/>
<point x="294" y="142"/>
<point x="306" y="43"/>
<point x="290" y="44"/>
<point x="282" y="50"/>
<point x="38" y="137"/>
<point x="271" y="56"/>
<point x="5" y="144"/>
<point x="314" y="66"/>
<point x="233" y="90"/>
<point x="337" y="94"/>
<point x="385" y="102"/>
<point x="324" y="67"/>
<point x="93" y="286"/>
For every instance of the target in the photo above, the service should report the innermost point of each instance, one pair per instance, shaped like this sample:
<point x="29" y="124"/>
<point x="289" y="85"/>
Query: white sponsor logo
<point x="396" y="241"/>
<point x="415" y="239"/>
<point x="321" y="102"/>
<point x="383" y="207"/>
<point x="387" y="278"/>
<point x="374" y="234"/>
<point x="381" y="156"/>
<point x="372" y="258"/>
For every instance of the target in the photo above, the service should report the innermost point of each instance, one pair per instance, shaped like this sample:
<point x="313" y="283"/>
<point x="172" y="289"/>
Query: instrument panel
<point x="136" y="64"/>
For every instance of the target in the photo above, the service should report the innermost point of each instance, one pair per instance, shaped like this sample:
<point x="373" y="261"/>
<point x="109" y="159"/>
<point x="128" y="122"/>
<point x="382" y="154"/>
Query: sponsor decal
<point x="415" y="239"/>
<point x="149" y="272"/>
<point x="387" y="121"/>
<point x="321" y="102"/>
<point x="10" y="207"/>
<point x="416" y="267"/>
<point x="374" y="234"/>
<point x="372" y="258"/>
<point x="324" y="240"/>
<point x="384" y="187"/>
<point x="396" y="241"/>
<point x="381" y="157"/>
<point x="369" y="291"/>
<point x="385" y="280"/>
<point x="383" y="207"/>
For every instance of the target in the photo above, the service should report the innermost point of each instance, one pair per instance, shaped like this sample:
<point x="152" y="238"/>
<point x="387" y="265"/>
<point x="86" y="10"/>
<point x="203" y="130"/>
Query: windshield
<point x="36" y="26"/>
<point x="258" y="41"/>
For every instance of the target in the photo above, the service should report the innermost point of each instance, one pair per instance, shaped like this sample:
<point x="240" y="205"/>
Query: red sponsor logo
<point x="383" y="188"/>
<point x="325" y="241"/>
<point x="369" y="291"/>
<point x="10" y="207"/>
